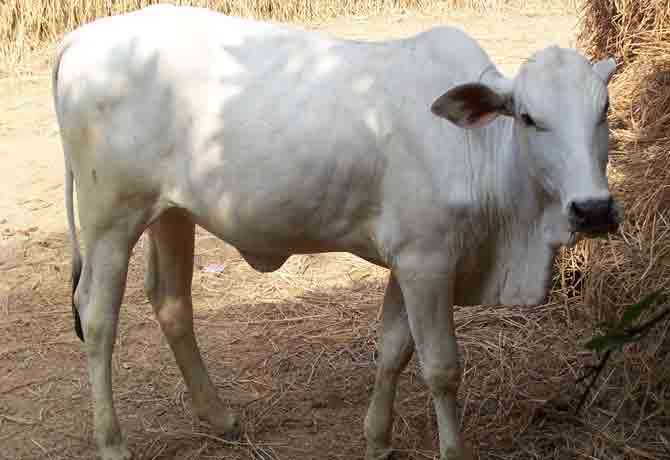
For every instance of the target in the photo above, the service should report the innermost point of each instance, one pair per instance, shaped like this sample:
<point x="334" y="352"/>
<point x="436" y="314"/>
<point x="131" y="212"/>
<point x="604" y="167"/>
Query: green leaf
<point x="616" y="336"/>
<point x="597" y="343"/>
<point x="610" y="342"/>
<point x="634" y="311"/>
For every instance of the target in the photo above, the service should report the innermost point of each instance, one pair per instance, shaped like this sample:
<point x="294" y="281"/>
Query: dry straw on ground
<point x="294" y="351"/>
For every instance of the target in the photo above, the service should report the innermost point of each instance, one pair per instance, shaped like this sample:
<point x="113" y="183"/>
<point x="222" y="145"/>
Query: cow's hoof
<point x="234" y="431"/>
<point x="233" y="435"/>
<point x="465" y="453"/>
<point x="119" y="452"/>
<point x="226" y="424"/>
<point x="378" y="452"/>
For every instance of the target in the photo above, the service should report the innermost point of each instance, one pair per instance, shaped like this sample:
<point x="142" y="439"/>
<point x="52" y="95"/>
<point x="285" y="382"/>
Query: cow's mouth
<point x="600" y="231"/>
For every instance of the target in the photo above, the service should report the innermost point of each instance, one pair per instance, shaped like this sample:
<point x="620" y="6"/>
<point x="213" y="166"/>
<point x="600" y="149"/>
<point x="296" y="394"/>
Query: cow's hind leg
<point x="395" y="352"/>
<point x="168" y="286"/>
<point x="98" y="299"/>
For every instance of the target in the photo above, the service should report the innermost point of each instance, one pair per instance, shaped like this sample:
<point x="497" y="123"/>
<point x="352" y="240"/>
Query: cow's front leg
<point x="428" y="300"/>
<point x="395" y="352"/>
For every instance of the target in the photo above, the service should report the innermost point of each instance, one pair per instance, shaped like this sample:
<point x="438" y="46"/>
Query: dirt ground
<point x="292" y="350"/>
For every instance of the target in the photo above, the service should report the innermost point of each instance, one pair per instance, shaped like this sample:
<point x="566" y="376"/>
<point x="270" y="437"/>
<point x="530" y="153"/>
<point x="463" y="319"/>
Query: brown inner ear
<point x="475" y="100"/>
<point x="478" y="100"/>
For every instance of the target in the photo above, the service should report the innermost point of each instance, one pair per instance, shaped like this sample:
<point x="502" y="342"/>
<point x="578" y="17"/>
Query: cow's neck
<point x="500" y="168"/>
<point x="516" y="212"/>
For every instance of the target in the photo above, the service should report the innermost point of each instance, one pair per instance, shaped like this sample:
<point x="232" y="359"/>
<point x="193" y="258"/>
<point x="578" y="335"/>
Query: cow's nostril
<point x="578" y="210"/>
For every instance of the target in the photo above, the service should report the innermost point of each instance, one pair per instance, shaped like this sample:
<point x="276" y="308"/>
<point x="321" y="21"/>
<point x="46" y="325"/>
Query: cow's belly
<point x="275" y="204"/>
<point x="267" y="240"/>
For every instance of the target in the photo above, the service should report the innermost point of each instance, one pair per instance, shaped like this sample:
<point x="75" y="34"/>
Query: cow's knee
<point x="443" y="380"/>
<point x="94" y="329"/>
<point x="175" y="317"/>
<point x="98" y="327"/>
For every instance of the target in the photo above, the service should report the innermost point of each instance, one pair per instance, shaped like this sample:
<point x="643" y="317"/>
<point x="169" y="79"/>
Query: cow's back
<point x="208" y="61"/>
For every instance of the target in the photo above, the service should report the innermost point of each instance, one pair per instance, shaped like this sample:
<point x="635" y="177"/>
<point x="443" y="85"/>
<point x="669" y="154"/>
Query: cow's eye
<point x="527" y="120"/>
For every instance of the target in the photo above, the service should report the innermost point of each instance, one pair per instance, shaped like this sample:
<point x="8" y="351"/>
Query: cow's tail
<point x="69" y="189"/>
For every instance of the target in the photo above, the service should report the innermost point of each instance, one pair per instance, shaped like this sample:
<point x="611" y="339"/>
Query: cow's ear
<point x="605" y="69"/>
<point x="471" y="105"/>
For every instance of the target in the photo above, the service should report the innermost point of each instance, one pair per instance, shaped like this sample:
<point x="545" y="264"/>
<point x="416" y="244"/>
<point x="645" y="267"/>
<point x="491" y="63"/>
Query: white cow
<point x="282" y="141"/>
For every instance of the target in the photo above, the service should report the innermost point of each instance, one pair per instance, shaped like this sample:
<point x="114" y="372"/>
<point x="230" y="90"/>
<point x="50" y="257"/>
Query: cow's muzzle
<point x="594" y="217"/>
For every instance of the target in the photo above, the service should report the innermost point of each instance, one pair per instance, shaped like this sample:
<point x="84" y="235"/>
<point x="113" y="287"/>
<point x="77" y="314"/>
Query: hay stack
<point x="637" y="261"/>
<point x="623" y="29"/>
<point x="606" y="275"/>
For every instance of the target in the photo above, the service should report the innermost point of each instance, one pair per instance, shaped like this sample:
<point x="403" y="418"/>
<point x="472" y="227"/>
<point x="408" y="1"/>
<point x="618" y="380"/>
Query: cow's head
<point x="559" y="102"/>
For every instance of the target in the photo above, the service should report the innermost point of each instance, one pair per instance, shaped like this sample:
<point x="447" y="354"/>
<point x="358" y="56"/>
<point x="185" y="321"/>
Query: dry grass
<point x="28" y="24"/>
<point x="637" y="34"/>
<point x="624" y="29"/>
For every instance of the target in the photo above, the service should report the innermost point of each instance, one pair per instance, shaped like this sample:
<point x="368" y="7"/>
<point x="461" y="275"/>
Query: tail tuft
<point x="76" y="274"/>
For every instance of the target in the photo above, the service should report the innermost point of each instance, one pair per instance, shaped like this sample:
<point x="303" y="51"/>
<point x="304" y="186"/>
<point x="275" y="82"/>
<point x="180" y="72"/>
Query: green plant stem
<point x="638" y="332"/>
